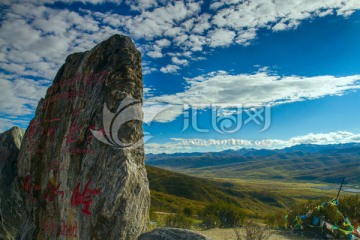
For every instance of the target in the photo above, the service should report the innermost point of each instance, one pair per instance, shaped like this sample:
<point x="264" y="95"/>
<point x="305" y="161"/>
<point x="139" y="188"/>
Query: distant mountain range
<point x="307" y="162"/>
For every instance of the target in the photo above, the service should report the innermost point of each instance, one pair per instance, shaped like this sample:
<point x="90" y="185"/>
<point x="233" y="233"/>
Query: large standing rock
<point x="11" y="208"/>
<point x="76" y="185"/>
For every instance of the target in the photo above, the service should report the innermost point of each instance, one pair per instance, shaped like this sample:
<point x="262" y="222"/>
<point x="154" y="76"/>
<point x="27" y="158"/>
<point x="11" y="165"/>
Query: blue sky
<point x="297" y="58"/>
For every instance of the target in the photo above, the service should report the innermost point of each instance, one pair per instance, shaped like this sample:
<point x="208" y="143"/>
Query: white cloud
<point x="148" y="70"/>
<point x="244" y="37"/>
<point x="179" y="61"/>
<point x="19" y="96"/>
<point x="39" y="38"/>
<point x="201" y="24"/>
<point x="221" y="37"/>
<point x="160" y="112"/>
<point x="34" y="42"/>
<point x="36" y="38"/>
<point x="155" y="54"/>
<point x="6" y="124"/>
<point x="163" y="43"/>
<point x="234" y="22"/>
<point x="158" y="22"/>
<point x="170" y="69"/>
<point x="211" y="145"/>
<point x="141" y="5"/>
<point x="256" y="90"/>
<point x="195" y="43"/>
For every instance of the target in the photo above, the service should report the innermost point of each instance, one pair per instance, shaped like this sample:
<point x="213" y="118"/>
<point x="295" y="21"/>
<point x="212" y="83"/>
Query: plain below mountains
<point x="319" y="163"/>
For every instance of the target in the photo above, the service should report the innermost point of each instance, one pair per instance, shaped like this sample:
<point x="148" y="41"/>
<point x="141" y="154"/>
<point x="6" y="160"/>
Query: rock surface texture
<point x="81" y="164"/>
<point x="11" y="207"/>
<point x="171" y="234"/>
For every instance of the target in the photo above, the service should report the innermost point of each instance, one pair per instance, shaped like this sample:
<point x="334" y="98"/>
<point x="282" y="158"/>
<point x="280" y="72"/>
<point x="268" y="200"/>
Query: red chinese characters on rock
<point x="65" y="95"/>
<point x="54" y="93"/>
<point x="32" y="129"/>
<point x="69" y="230"/>
<point x="52" y="129"/>
<point x="83" y="198"/>
<point x="29" y="187"/>
<point x="55" y="165"/>
<point x="99" y="77"/>
<point x="53" y="189"/>
<point x="36" y="127"/>
<point x="74" y="128"/>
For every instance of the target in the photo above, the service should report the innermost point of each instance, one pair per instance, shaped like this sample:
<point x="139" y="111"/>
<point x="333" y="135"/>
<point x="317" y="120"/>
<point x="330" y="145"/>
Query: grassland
<point x="171" y="191"/>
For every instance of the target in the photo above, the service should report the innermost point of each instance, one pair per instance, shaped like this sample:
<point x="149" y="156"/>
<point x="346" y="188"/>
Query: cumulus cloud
<point x="205" y="145"/>
<point x="20" y="96"/>
<point x="11" y="121"/>
<point x="256" y="90"/>
<point x="179" y="61"/>
<point x="158" y="22"/>
<point x="228" y="22"/>
<point x="141" y="5"/>
<point x="36" y="38"/>
<point x="259" y="89"/>
<point x="170" y="69"/>
<point x="221" y="37"/>
<point x="163" y="43"/>
<point x="155" y="54"/>
<point x="160" y="112"/>
<point x="34" y="42"/>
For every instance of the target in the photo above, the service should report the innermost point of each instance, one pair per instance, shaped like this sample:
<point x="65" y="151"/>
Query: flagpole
<point x="337" y="197"/>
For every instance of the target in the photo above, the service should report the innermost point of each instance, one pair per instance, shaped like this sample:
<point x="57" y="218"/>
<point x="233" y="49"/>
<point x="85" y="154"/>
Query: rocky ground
<point x="229" y="234"/>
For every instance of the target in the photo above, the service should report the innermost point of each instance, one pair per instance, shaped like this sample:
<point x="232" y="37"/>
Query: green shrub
<point x="188" y="212"/>
<point x="226" y="214"/>
<point x="276" y="220"/>
<point x="178" y="220"/>
<point x="152" y="215"/>
<point x="211" y="221"/>
<point x="350" y="207"/>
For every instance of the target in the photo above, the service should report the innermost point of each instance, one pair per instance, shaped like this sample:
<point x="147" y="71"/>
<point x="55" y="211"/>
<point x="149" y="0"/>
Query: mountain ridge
<point x="324" y="163"/>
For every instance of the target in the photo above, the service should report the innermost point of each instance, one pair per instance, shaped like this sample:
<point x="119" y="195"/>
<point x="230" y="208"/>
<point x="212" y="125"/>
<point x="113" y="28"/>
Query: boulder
<point x="11" y="207"/>
<point x="172" y="234"/>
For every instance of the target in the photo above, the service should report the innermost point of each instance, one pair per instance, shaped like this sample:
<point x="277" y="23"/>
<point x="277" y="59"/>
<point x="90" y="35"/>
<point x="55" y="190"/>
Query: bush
<point x="153" y="216"/>
<point x="276" y="220"/>
<point x="253" y="231"/>
<point x="211" y="221"/>
<point x="188" y="212"/>
<point x="222" y="214"/>
<point x="178" y="220"/>
<point x="350" y="207"/>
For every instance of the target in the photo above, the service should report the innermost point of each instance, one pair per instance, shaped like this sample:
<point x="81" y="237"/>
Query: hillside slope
<point x="171" y="190"/>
